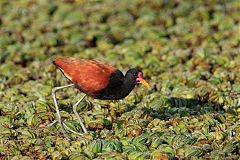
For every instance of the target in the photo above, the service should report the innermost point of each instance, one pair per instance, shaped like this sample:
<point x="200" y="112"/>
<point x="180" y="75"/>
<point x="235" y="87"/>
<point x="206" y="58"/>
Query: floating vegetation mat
<point x="189" y="52"/>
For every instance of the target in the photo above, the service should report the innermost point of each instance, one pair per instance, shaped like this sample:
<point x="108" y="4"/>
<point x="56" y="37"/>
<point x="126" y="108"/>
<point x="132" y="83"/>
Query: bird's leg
<point x="54" y="90"/>
<point x="77" y="115"/>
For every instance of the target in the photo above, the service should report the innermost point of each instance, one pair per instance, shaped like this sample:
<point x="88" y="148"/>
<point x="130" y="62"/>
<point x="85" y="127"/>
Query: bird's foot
<point x="65" y="127"/>
<point x="52" y="123"/>
<point x="69" y="129"/>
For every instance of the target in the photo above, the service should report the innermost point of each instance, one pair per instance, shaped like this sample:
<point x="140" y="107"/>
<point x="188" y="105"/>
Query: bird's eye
<point x="135" y="74"/>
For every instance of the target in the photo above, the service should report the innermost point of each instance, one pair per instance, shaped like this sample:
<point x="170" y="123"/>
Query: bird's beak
<point x="142" y="81"/>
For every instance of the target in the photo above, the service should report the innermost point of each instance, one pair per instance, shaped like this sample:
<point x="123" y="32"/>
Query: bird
<point x="95" y="79"/>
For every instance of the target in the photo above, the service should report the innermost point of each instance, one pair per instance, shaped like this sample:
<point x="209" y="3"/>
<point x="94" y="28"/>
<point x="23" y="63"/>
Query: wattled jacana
<point x="97" y="80"/>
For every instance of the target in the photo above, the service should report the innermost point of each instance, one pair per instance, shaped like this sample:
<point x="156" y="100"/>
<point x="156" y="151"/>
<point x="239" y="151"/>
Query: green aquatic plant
<point x="189" y="52"/>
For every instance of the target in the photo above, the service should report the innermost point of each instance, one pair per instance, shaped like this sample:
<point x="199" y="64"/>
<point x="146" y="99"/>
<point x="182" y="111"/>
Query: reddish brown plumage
<point x="90" y="75"/>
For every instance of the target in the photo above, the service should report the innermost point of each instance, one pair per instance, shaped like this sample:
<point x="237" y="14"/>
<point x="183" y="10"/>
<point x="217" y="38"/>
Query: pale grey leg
<point x="54" y="90"/>
<point x="77" y="115"/>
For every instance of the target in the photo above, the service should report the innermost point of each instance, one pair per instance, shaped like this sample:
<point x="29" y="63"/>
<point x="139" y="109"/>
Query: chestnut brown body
<point x="90" y="76"/>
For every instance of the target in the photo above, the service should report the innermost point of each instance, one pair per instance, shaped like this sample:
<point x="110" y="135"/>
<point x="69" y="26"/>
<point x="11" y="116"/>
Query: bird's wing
<point x="90" y="75"/>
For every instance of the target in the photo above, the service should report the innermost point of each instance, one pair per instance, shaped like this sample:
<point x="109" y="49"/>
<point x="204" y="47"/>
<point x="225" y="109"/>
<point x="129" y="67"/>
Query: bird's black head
<point x="136" y="76"/>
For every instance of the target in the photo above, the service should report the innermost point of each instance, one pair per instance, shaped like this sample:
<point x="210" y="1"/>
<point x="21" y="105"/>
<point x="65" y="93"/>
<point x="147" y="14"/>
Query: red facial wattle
<point x="141" y="80"/>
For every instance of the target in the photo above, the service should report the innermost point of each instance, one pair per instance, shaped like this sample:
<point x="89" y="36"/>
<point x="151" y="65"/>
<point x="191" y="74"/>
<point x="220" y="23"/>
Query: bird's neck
<point x="127" y="87"/>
